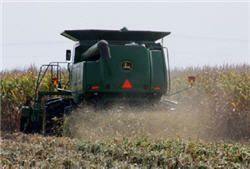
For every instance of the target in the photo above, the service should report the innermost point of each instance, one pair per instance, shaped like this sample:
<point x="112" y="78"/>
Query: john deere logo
<point x="127" y="65"/>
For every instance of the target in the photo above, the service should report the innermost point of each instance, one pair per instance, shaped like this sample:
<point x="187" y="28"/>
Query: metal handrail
<point x="42" y="73"/>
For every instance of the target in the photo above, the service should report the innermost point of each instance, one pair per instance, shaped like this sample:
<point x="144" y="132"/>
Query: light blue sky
<point x="202" y="33"/>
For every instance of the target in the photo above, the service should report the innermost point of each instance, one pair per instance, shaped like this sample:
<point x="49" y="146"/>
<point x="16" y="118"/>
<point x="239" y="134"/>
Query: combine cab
<point x="107" y="66"/>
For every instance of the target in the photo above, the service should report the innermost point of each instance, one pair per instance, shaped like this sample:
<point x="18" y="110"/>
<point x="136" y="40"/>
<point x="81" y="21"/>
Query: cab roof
<point x="113" y="35"/>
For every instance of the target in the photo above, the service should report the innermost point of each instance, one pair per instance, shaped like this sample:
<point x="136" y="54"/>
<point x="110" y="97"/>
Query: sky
<point x="202" y="33"/>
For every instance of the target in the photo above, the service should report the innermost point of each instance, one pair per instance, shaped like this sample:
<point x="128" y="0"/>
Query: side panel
<point x="158" y="71"/>
<point x="77" y="80"/>
<point x="92" y="73"/>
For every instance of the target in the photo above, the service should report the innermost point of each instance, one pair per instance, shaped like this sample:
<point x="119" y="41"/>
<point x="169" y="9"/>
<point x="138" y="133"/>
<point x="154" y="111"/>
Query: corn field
<point x="221" y="92"/>
<point x="217" y="138"/>
<point x="224" y="94"/>
<point x="16" y="86"/>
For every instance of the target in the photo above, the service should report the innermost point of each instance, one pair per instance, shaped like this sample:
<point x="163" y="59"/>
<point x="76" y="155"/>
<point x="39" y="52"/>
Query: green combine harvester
<point x="107" y="65"/>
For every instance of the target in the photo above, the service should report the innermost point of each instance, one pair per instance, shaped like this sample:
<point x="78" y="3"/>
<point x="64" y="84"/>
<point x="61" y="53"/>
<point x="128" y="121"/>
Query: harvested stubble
<point x="36" y="151"/>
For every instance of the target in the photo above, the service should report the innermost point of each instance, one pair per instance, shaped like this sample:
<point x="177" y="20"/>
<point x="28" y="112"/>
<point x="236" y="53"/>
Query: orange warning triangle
<point x="126" y="84"/>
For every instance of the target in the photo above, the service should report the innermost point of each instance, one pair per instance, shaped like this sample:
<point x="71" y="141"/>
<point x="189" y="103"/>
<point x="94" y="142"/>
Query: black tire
<point x="55" y="112"/>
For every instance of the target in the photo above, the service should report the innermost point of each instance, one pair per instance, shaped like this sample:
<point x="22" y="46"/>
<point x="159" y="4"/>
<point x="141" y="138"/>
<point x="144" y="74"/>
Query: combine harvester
<point x="107" y="65"/>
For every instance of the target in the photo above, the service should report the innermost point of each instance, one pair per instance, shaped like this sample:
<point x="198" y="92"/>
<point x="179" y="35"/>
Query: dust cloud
<point x="185" y="120"/>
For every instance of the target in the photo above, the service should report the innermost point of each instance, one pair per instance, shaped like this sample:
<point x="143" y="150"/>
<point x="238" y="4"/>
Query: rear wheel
<point x="55" y="110"/>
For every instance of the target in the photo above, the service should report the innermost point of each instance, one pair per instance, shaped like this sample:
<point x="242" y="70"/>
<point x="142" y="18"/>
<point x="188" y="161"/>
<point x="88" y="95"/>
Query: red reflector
<point x="157" y="88"/>
<point x="126" y="84"/>
<point x="94" y="87"/>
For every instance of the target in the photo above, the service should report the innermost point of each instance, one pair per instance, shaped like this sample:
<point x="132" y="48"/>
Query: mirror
<point x="68" y="55"/>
